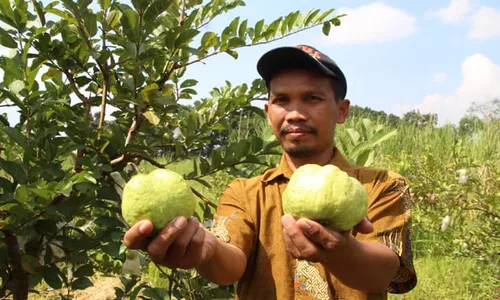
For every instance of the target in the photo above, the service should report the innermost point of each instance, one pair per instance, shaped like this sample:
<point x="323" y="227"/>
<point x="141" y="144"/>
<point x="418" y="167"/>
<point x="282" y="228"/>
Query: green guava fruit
<point x="159" y="196"/>
<point x="327" y="195"/>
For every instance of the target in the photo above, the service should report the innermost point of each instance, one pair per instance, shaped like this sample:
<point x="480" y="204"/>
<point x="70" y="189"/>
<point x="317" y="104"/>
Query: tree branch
<point x="203" y="198"/>
<point x="105" y="82"/>
<point x="126" y="157"/>
<point x="494" y="215"/>
<point x="72" y="82"/>
<point x="253" y="44"/>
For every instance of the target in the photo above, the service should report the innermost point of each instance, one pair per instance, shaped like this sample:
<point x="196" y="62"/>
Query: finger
<point x="365" y="226"/>
<point x="159" y="246"/>
<point x="290" y="246"/>
<point x="319" y="234"/>
<point x="305" y="247"/>
<point x="178" y="247"/>
<point x="194" y="252"/>
<point x="136" y="236"/>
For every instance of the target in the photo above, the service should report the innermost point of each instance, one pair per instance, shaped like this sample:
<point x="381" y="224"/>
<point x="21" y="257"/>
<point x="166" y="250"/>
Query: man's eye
<point x="279" y="100"/>
<point x="315" y="98"/>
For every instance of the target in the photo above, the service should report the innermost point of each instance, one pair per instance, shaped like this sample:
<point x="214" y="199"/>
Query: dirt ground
<point x="103" y="289"/>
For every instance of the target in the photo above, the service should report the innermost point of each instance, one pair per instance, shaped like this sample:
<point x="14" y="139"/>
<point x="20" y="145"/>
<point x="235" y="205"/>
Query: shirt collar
<point x="284" y="169"/>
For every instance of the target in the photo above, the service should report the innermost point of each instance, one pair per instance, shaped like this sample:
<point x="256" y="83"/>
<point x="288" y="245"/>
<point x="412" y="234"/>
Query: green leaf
<point x="155" y="293"/>
<point x="155" y="9"/>
<point x="233" y="53"/>
<point x="46" y="227"/>
<point x="293" y="19"/>
<point x="6" y="40"/>
<point x="354" y="135"/>
<point x="81" y="283"/>
<point x="51" y="277"/>
<point x="85" y="270"/>
<point x="209" y="40"/>
<point x="90" y="22"/>
<point x="235" y="42"/>
<point x="152" y="117"/>
<point x="189" y="83"/>
<point x="14" y="169"/>
<point x="104" y="4"/>
<point x="199" y="53"/>
<point x="233" y="26"/>
<point x="310" y="16"/>
<point x="16" y="135"/>
<point x="29" y="263"/>
<point x="258" y="30"/>
<point x="7" y="11"/>
<point x="365" y="158"/>
<point x="326" y="28"/>
<point x="216" y="158"/>
<point x="242" y="31"/>
<point x="129" y="21"/>
<point x="113" y="19"/>
<point x="324" y="15"/>
<point x="6" y="185"/>
<point x="185" y="37"/>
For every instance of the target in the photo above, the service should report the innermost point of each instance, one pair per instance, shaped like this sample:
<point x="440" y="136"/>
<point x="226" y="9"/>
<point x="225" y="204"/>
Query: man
<point x="274" y="256"/>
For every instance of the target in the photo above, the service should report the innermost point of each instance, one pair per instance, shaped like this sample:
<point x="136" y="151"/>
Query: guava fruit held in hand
<point x="159" y="196"/>
<point x="327" y="195"/>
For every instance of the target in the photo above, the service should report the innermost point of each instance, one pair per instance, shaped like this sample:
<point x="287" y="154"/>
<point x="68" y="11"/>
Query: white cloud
<point x="376" y="22"/>
<point x="485" y="23"/>
<point x="455" y="11"/>
<point x="439" y="77"/>
<point x="480" y="77"/>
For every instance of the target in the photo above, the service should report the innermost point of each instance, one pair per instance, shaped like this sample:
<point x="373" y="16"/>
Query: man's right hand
<point x="181" y="244"/>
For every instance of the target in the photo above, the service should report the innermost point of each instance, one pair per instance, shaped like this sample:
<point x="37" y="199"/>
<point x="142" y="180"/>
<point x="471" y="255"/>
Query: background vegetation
<point x="62" y="166"/>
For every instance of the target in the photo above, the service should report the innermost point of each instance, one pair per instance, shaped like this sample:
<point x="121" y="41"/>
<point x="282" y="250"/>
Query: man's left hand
<point x="309" y="240"/>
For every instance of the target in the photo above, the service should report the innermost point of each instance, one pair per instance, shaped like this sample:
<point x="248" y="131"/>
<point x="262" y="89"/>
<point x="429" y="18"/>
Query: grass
<point x="450" y="278"/>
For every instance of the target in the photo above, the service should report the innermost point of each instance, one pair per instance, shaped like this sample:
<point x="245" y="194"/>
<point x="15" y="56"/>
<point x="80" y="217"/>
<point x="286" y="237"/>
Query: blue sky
<point x="398" y="55"/>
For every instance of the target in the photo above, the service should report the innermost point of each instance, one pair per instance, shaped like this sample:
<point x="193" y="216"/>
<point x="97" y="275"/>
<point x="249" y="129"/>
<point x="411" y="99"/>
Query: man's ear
<point x="343" y="106"/>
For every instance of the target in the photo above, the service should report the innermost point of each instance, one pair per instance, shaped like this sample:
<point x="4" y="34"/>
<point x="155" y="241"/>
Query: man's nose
<point x="296" y="113"/>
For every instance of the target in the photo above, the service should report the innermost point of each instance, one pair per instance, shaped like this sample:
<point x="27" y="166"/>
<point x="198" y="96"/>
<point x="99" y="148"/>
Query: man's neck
<point x="321" y="159"/>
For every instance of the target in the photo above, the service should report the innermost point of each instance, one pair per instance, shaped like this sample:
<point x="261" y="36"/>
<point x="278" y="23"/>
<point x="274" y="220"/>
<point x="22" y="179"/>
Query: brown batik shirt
<point x="249" y="217"/>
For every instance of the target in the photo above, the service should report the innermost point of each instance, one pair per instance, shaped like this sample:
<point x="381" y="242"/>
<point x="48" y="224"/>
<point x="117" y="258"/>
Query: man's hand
<point x="181" y="244"/>
<point x="309" y="240"/>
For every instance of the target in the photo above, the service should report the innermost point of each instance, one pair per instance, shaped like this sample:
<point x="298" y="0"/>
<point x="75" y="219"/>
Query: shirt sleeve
<point x="390" y="215"/>
<point x="232" y="223"/>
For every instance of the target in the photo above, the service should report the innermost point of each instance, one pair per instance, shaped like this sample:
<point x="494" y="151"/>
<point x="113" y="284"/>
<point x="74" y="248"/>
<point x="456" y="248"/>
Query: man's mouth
<point x="298" y="131"/>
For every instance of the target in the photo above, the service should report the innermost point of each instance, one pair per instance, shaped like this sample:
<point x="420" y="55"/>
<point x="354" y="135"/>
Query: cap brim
<point x="283" y="58"/>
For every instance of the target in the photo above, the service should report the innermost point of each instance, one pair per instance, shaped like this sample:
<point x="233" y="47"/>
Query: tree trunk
<point x="18" y="282"/>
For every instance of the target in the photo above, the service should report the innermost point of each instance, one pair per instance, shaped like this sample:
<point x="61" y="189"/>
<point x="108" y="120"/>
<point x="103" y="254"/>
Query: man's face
<point x="303" y="113"/>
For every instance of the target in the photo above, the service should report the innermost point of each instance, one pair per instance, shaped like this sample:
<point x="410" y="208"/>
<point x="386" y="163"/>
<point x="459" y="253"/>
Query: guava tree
<point x="61" y="170"/>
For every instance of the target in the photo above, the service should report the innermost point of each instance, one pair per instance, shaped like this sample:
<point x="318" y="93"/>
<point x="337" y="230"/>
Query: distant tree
<point x="380" y="116"/>
<point x="468" y="124"/>
<point x="420" y="120"/>
<point x="488" y="111"/>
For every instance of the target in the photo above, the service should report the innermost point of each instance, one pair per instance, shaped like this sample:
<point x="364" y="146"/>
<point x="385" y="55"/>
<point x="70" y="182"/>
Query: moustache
<point x="301" y="128"/>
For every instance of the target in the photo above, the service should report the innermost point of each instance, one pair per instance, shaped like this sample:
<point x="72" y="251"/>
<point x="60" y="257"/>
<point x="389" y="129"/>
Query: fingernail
<point x="285" y="221"/>
<point x="143" y="228"/>
<point x="180" y="222"/>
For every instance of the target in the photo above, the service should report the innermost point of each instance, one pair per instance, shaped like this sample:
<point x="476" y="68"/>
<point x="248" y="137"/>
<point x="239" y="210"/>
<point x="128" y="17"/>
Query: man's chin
<point x="298" y="151"/>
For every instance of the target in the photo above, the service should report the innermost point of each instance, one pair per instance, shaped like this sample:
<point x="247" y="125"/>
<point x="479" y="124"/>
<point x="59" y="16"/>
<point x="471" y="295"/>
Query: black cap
<point x="301" y="56"/>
